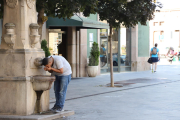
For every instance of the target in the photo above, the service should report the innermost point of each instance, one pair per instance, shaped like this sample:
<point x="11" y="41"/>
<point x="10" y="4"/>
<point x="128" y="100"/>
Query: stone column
<point x="47" y="37"/>
<point x="77" y="53"/>
<point x="134" y="48"/>
<point x="128" y="46"/>
<point x="71" y="49"/>
<point x="83" y="53"/>
<point x="137" y="63"/>
<point x="99" y="43"/>
<point x="0" y="30"/>
<point x="19" y="47"/>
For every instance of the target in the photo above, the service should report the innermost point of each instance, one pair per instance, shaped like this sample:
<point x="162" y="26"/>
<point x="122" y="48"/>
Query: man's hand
<point x="49" y="68"/>
<point x="45" y="68"/>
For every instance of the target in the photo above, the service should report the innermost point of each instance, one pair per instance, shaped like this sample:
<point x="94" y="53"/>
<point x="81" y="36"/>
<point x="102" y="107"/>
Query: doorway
<point x="58" y="42"/>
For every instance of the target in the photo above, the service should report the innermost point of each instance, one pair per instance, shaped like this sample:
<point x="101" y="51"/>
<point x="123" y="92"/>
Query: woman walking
<point x="155" y="57"/>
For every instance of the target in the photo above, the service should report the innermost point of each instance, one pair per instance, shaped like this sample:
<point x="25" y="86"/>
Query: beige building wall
<point x="166" y="23"/>
<point x="52" y="37"/>
<point x="76" y="49"/>
<point x="137" y="63"/>
<point x="44" y="31"/>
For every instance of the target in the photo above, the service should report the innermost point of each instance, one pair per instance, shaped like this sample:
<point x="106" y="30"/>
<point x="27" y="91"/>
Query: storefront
<point x="130" y="49"/>
<point x="73" y="39"/>
<point x="76" y="35"/>
<point x="121" y="55"/>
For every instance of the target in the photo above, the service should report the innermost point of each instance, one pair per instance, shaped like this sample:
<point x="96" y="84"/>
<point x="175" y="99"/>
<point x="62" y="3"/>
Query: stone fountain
<point x="24" y="85"/>
<point x="41" y="83"/>
<point x="19" y="49"/>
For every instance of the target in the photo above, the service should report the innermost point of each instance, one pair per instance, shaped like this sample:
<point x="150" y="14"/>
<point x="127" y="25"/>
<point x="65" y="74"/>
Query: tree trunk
<point x="40" y="22"/>
<point x="111" y="60"/>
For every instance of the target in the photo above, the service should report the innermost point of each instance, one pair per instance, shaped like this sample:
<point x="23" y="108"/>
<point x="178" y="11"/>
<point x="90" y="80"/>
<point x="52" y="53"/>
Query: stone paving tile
<point x="160" y="102"/>
<point x="156" y="98"/>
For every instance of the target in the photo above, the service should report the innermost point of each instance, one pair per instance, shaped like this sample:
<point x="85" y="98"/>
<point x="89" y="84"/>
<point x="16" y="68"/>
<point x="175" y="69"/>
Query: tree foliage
<point x="61" y="8"/>
<point x="118" y="12"/>
<point x="66" y="8"/>
<point x="94" y="55"/>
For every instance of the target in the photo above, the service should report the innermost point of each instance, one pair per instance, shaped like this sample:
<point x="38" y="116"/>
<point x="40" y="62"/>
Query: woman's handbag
<point x="149" y="61"/>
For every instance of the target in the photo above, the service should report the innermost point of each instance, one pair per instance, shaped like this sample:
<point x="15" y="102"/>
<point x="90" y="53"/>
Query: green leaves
<point x="118" y="12"/>
<point x="45" y="48"/>
<point x="66" y="8"/>
<point x="62" y="8"/>
<point x="94" y="55"/>
<point x="115" y="12"/>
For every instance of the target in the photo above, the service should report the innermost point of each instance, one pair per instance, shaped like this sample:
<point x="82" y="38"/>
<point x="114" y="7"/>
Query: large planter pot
<point x="92" y="71"/>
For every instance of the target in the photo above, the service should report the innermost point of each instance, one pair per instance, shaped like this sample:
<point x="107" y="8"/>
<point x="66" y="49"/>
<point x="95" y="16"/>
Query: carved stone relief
<point x="12" y="3"/>
<point x="31" y="3"/>
<point x="34" y="36"/>
<point x="10" y="36"/>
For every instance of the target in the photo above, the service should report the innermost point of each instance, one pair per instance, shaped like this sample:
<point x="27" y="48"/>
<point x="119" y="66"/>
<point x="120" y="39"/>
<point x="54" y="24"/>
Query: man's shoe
<point x="152" y="71"/>
<point x="59" y="109"/>
<point x="53" y="109"/>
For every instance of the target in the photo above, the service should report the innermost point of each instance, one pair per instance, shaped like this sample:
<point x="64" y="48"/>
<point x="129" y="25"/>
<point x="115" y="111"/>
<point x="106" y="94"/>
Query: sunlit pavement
<point x="150" y="96"/>
<point x="164" y="61"/>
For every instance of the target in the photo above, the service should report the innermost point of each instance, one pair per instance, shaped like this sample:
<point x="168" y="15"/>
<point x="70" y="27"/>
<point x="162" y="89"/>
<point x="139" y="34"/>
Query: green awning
<point x="75" y="21"/>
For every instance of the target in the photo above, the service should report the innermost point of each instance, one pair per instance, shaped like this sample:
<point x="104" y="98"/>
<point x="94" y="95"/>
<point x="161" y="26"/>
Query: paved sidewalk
<point x="142" y="92"/>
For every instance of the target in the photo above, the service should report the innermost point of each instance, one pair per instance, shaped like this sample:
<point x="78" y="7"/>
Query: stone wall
<point x="0" y="30"/>
<point x="137" y="63"/>
<point x="143" y="40"/>
<point x="20" y="46"/>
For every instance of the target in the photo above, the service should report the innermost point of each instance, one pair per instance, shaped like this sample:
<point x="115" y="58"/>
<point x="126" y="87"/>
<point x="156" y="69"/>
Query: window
<point x="162" y="33"/>
<point x="161" y="23"/>
<point x="59" y="35"/>
<point x="155" y="24"/>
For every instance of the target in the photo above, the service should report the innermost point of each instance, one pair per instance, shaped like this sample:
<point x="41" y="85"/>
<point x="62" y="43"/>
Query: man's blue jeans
<point x="60" y="88"/>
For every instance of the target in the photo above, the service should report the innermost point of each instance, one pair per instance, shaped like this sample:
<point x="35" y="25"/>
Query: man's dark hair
<point x="156" y="45"/>
<point x="45" y="61"/>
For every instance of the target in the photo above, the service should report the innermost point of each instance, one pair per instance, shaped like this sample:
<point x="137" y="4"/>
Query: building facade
<point x="76" y="36"/>
<point x="73" y="39"/>
<point x="130" y="49"/>
<point x="165" y="30"/>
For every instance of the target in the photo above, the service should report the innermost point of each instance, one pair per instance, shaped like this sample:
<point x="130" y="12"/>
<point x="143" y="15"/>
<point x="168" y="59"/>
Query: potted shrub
<point x="45" y="48"/>
<point x="92" y="68"/>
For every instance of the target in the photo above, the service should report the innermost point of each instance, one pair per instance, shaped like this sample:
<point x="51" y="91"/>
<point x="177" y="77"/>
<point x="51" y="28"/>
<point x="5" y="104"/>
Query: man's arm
<point x="50" y="71"/>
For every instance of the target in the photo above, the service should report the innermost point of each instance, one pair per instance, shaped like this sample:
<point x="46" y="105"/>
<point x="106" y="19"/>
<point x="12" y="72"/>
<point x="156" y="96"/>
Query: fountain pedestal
<point x="38" y="102"/>
<point x="19" y="48"/>
<point x="17" y="96"/>
<point x="40" y="84"/>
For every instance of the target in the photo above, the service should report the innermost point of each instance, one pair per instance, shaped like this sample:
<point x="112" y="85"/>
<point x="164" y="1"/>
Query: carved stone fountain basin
<point x="42" y="82"/>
